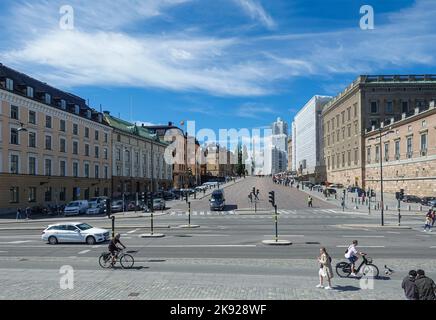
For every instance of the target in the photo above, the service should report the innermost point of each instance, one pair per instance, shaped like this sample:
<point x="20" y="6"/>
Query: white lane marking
<point x="362" y="246"/>
<point x="84" y="251"/>
<point x="285" y="235"/>
<point x="357" y="236"/>
<point x="208" y="235"/>
<point x="3" y="252"/>
<point x="204" y="246"/>
<point x="98" y="246"/>
<point x="433" y="247"/>
<point x="19" y="242"/>
<point x="393" y="232"/>
<point x="132" y="231"/>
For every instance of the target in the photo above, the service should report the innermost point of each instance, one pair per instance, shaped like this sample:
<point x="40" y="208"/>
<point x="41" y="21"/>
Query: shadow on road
<point x="230" y="207"/>
<point x="346" y="288"/>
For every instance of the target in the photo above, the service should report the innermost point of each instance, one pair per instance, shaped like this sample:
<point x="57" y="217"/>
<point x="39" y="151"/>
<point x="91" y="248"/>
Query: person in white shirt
<point x="352" y="255"/>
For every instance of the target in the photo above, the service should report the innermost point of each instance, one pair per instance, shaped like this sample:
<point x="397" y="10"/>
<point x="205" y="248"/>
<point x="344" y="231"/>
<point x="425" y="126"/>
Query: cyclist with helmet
<point x="113" y="248"/>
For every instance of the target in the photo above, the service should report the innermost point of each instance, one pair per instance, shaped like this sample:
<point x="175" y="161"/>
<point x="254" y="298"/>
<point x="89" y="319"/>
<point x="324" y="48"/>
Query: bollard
<point x="420" y="208"/>
<point x="387" y="208"/>
<point x="410" y="207"/>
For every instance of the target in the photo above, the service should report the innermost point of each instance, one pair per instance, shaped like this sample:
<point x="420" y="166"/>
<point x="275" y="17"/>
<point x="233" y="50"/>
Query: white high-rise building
<point x="307" y="133"/>
<point x="276" y="148"/>
<point x="280" y="127"/>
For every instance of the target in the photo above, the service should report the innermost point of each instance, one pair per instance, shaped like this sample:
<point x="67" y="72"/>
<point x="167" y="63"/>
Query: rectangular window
<point x="106" y="172"/>
<point x="409" y="147"/>
<point x="48" y="194"/>
<point x="29" y="92"/>
<point x="75" y="129"/>
<point x="377" y="153"/>
<point x="348" y="114"/>
<point x="356" y="156"/>
<point x="14" y="136"/>
<point x="14" y="164"/>
<point x="47" y="98"/>
<point x="63" y="104"/>
<point x="96" y="135"/>
<point x="105" y="137"/>
<point x="47" y="121"/>
<point x="32" y="165"/>
<point x="343" y="117"/>
<point x="397" y="150"/>
<point x="87" y="150"/>
<point x="389" y="107"/>
<point x="404" y="106"/>
<point x="86" y="170"/>
<point x="343" y="159"/>
<point x="119" y="171"/>
<point x="9" y="84"/>
<point x="105" y="153"/>
<point x="75" y="147"/>
<point x="32" y="139"/>
<point x="97" y="172"/>
<point x="368" y="155"/>
<point x="32" y="194"/>
<point x="374" y="107"/>
<point x="62" y="125"/>
<point x="118" y="154"/>
<point x="97" y="152"/>
<point x="14" y="195"/>
<point x="386" y="152"/>
<point x="32" y="117"/>
<point x="47" y="167"/>
<point x="63" y="145"/>
<point x="349" y="157"/>
<point x="75" y="169"/>
<point x="86" y="132"/>
<point x="14" y="112"/>
<point x="47" y="142"/>
<point x="349" y="131"/>
<point x="63" y="168"/>
<point x="333" y="162"/>
<point x="423" y="144"/>
<point x="62" y="194"/>
<point x="127" y="156"/>
<point x="76" y="109"/>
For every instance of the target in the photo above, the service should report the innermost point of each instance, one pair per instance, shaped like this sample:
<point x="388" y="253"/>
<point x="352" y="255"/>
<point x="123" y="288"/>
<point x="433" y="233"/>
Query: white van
<point x="76" y="207"/>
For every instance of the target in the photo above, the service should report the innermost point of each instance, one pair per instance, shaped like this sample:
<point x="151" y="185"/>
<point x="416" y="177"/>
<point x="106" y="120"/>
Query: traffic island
<point x="152" y="235"/>
<point x="277" y="242"/>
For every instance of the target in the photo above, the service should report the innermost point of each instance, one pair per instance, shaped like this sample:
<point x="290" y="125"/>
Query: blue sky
<point x="222" y="63"/>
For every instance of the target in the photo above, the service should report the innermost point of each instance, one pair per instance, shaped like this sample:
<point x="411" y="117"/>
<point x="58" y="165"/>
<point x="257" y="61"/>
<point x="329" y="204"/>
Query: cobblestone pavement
<point x="289" y="279"/>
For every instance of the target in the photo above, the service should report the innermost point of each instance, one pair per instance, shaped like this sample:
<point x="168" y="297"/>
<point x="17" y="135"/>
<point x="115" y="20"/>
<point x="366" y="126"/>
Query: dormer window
<point x="9" y="84"/>
<point x="100" y="118"/>
<point x="88" y="114"/>
<point x="63" y="104"/>
<point x="76" y="109"/>
<point x="47" y="98"/>
<point x="29" y="92"/>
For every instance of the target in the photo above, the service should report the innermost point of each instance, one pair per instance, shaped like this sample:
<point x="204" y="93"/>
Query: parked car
<point x="411" y="199"/>
<point x="117" y="206"/>
<point x="158" y="204"/>
<point x="425" y="200"/>
<point x="217" y="200"/>
<point x="76" y="207"/>
<point x="432" y="203"/>
<point x="96" y="208"/>
<point x="336" y="185"/>
<point x="74" y="232"/>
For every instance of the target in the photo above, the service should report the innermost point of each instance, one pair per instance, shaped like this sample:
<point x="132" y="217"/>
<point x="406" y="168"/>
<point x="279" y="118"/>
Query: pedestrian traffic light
<point x="401" y="194"/>
<point x="272" y="199"/>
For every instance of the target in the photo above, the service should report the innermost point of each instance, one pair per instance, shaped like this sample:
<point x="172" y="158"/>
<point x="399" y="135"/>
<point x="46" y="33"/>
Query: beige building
<point x="53" y="147"/>
<point x="367" y="102"/>
<point x="408" y="154"/>
<point x="138" y="163"/>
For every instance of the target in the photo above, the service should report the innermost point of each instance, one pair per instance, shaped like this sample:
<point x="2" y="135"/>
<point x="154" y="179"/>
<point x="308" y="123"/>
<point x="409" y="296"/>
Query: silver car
<point x="158" y="204"/>
<point x="74" y="232"/>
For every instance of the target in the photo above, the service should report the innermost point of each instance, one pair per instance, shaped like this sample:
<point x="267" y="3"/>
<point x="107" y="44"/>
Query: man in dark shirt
<point x="409" y="286"/>
<point x="426" y="286"/>
<point x="113" y="248"/>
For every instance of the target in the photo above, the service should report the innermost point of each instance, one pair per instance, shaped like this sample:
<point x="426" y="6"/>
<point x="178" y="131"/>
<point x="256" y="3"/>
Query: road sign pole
<point x="277" y="232"/>
<point x="399" y="212"/>
<point x="189" y="214"/>
<point x="151" y="223"/>
<point x="113" y="226"/>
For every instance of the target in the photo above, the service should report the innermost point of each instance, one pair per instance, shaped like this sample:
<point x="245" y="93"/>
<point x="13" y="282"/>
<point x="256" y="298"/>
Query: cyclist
<point x="352" y="255"/>
<point x="113" y="248"/>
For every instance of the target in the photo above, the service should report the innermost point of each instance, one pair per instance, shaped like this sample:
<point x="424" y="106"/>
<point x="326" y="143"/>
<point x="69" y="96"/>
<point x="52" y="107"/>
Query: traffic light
<point x="372" y="193"/>
<point x="272" y="199"/>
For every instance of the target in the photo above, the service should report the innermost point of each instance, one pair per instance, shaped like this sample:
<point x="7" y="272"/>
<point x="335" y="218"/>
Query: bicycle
<point x="343" y="269"/>
<point x="126" y="260"/>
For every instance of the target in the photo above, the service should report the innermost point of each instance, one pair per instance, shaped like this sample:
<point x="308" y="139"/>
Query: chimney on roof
<point x="170" y="124"/>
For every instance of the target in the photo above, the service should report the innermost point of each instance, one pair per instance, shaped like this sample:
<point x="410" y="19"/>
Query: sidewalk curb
<point x="374" y="226"/>
<point x="105" y="227"/>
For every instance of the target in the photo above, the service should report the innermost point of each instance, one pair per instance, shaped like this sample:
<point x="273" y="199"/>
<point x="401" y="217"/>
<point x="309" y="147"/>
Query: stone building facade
<point x="367" y="102"/>
<point x="408" y="154"/>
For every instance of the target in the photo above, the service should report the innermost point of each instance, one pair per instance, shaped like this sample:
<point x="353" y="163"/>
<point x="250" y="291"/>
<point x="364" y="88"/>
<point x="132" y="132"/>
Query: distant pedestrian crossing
<point x="284" y="213"/>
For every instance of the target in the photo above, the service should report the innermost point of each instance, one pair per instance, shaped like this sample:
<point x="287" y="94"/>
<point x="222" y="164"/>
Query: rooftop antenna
<point x="100" y="108"/>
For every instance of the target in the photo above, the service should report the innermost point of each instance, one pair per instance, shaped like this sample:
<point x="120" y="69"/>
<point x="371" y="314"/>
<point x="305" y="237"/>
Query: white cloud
<point x="253" y="110"/>
<point x="254" y="9"/>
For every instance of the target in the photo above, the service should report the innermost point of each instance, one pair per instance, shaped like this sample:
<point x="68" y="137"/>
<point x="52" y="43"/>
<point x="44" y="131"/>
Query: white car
<point x="74" y="232"/>
<point x="76" y="207"/>
<point x="158" y="204"/>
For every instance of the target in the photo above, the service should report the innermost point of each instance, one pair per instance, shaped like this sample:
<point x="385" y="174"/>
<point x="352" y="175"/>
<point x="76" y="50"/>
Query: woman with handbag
<point x="325" y="269"/>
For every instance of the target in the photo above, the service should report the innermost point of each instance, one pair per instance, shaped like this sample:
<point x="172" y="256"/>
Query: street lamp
<point x="380" y="136"/>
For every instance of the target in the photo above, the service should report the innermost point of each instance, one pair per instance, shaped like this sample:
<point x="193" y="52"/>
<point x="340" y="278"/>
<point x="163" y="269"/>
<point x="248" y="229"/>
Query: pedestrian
<point x="325" y="269"/>
<point x="433" y="217"/>
<point x="309" y="201"/>
<point x="18" y="217"/>
<point x="428" y="221"/>
<point x="409" y="286"/>
<point x="426" y="286"/>
<point x="28" y="212"/>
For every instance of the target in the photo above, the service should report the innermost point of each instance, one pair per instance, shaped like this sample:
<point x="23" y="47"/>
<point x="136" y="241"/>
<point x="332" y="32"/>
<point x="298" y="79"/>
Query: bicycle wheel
<point x="343" y="269"/>
<point x="105" y="260"/>
<point x="370" y="271"/>
<point x="127" y="261"/>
